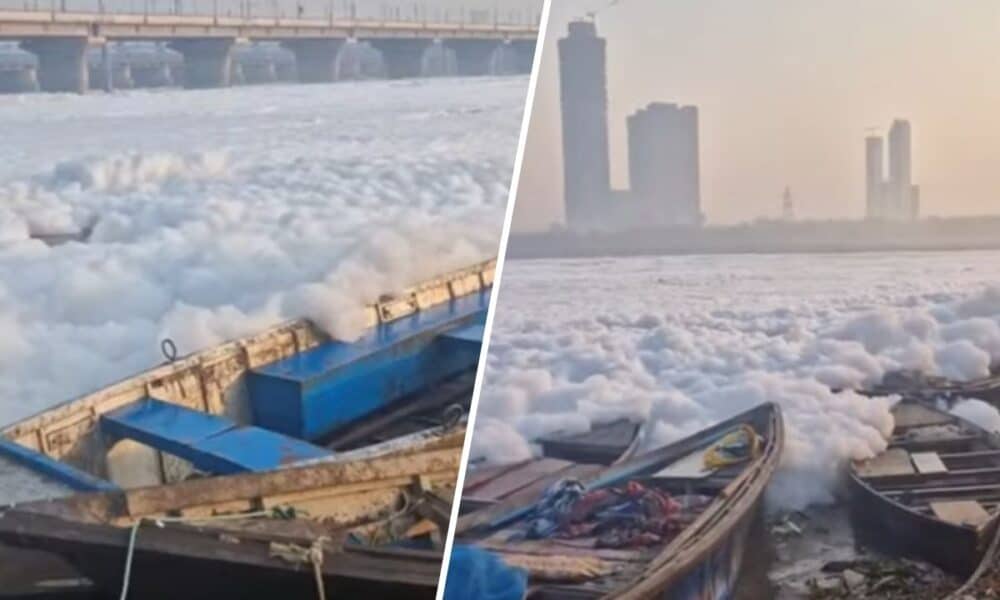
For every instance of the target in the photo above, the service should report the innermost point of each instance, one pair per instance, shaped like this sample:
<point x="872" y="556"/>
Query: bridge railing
<point x="500" y="12"/>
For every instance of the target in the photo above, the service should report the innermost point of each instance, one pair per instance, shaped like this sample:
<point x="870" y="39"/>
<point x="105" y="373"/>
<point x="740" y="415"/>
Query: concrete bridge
<point x="408" y="48"/>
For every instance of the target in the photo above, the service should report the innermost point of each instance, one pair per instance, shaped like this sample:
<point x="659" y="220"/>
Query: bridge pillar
<point x="507" y="60"/>
<point x="208" y="63"/>
<point x="439" y="60"/>
<point x="402" y="57"/>
<point x="62" y="63"/>
<point x="524" y="55"/>
<point x="359" y="60"/>
<point x="475" y="57"/>
<point x="316" y="60"/>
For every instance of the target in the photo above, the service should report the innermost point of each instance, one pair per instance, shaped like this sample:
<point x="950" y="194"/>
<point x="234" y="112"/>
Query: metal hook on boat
<point x="452" y="416"/>
<point x="169" y="349"/>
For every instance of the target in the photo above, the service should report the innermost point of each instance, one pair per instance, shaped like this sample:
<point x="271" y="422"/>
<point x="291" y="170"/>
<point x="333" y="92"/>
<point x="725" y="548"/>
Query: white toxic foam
<point x="218" y="213"/>
<point x="681" y="343"/>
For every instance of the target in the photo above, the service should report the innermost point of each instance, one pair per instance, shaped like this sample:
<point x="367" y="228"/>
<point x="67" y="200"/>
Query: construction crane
<point x="592" y="15"/>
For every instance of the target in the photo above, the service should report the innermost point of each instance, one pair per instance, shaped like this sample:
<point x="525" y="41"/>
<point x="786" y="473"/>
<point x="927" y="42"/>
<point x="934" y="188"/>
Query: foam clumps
<point x="207" y="216"/>
<point x="680" y="343"/>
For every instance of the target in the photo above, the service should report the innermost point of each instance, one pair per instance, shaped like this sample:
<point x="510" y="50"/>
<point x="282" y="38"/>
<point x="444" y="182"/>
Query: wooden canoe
<point x="703" y="560"/>
<point x="933" y="494"/>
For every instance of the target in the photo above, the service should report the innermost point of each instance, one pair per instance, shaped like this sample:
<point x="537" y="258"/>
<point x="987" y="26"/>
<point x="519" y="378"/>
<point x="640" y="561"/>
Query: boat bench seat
<point x="210" y="442"/>
<point x="324" y="389"/>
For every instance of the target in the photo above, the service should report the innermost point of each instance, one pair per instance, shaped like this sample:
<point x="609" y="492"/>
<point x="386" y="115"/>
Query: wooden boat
<point x="701" y="560"/>
<point x="915" y="385"/>
<point x="263" y="427"/>
<point x="933" y="494"/>
<point x="563" y="455"/>
<point x="375" y="524"/>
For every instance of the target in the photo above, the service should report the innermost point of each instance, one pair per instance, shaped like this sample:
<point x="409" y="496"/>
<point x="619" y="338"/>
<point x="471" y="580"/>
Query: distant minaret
<point x="787" y="206"/>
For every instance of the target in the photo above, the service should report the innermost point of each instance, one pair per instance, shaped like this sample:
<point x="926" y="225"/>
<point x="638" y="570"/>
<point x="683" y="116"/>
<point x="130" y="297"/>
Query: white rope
<point x="130" y="552"/>
<point x="316" y="558"/>
<point x="128" y="560"/>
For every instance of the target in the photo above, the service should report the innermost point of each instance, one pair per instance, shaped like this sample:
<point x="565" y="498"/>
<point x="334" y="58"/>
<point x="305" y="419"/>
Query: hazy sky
<point x="786" y="90"/>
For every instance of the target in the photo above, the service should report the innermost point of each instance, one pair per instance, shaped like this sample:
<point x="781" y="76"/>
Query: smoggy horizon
<point x="787" y="92"/>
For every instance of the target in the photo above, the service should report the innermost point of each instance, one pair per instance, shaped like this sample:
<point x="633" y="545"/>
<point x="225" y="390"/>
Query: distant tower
<point x="903" y="202"/>
<point x="787" y="206"/>
<point x="874" y="178"/>
<point x="663" y="164"/>
<point x="584" y="102"/>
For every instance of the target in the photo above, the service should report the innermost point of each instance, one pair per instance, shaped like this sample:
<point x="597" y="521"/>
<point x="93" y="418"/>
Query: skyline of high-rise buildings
<point x="664" y="186"/>
<point x="663" y="153"/>
<point x="895" y="198"/>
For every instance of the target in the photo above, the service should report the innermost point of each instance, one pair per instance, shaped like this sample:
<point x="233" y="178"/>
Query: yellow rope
<point x="715" y="458"/>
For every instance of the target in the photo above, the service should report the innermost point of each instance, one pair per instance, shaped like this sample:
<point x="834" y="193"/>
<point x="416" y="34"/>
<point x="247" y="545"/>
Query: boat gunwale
<point x="379" y="472"/>
<point x="709" y="530"/>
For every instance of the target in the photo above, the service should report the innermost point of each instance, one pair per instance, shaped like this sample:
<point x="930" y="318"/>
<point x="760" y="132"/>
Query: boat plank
<point x="928" y="463"/>
<point x="917" y="415"/>
<point x="895" y="461"/>
<point x="961" y="512"/>
<point x="563" y="547"/>
<point x="507" y="483"/>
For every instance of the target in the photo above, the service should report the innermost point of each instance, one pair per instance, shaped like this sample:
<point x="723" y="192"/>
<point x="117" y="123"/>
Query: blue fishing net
<point x="475" y="574"/>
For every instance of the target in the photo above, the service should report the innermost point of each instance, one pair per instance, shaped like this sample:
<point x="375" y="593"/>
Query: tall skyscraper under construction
<point x="663" y="164"/>
<point x="584" y="103"/>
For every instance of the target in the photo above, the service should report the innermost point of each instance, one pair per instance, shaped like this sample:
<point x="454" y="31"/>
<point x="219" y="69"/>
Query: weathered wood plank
<point x="894" y="461"/>
<point x="928" y="463"/>
<point x="961" y="512"/>
<point x="259" y="485"/>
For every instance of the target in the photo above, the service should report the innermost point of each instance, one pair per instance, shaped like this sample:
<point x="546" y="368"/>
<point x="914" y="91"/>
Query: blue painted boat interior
<point x="53" y="469"/>
<point x="212" y="443"/>
<point x="300" y="398"/>
<point x="324" y="389"/>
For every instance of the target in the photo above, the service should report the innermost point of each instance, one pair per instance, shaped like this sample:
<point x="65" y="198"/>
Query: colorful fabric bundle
<point x="633" y="515"/>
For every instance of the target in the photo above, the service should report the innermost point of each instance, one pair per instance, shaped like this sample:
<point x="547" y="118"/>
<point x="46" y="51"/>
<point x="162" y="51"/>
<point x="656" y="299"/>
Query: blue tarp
<point x="475" y="574"/>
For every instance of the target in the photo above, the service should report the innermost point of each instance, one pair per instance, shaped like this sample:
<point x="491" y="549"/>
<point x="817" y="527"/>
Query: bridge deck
<point x="21" y="24"/>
